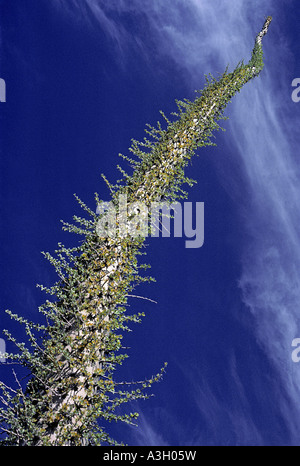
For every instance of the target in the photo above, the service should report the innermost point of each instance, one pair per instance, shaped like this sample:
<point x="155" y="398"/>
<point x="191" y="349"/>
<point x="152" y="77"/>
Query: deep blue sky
<point x="83" y="77"/>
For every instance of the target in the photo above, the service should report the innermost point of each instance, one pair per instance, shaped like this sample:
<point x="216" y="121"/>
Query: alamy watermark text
<point x="2" y="350"/>
<point x="2" y="90"/>
<point x="137" y="219"/>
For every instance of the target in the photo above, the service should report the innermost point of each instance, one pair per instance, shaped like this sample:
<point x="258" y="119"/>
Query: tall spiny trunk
<point x="72" y="382"/>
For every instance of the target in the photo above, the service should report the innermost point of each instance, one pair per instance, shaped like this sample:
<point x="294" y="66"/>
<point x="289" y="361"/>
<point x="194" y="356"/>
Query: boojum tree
<point x="73" y="356"/>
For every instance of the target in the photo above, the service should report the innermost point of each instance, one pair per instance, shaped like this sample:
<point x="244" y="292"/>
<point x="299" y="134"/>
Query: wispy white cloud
<point x="267" y="192"/>
<point x="146" y="433"/>
<point x="271" y="259"/>
<point x="224" y="424"/>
